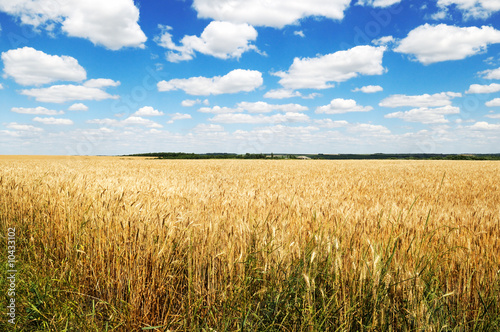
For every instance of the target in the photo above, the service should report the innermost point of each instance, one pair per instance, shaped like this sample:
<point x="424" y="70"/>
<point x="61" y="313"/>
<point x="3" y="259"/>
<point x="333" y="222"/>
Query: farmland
<point x="109" y="243"/>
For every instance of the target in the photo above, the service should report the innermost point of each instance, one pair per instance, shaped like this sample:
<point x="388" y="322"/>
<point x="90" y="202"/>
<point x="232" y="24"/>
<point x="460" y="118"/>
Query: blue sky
<point x="284" y="76"/>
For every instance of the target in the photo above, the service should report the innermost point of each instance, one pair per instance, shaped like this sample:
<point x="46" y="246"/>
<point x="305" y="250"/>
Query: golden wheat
<point x="153" y="239"/>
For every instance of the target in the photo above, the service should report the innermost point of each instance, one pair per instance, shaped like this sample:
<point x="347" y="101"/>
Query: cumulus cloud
<point x="137" y="120"/>
<point x="493" y="103"/>
<point x="425" y="115"/>
<point x="369" y="89"/>
<point x="235" y="81"/>
<point x="100" y="83"/>
<point x="362" y="129"/>
<point x="367" y="129"/>
<point x="260" y="118"/>
<point x="219" y="110"/>
<point x="111" y="23"/>
<point x="263" y="107"/>
<point x="28" y="66"/>
<point x="435" y="43"/>
<point x="383" y="41"/>
<point x="35" y="110"/>
<point x="179" y="116"/>
<point x="330" y="124"/>
<point x="471" y="8"/>
<point x="491" y="74"/>
<point x="105" y="122"/>
<point x="320" y="72"/>
<point x="78" y="107"/>
<point x="425" y="100"/>
<point x="22" y="127"/>
<point x="222" y="40"/>
<point x="254" y="107"/>
<point x="190" y="102"/>
<point x="64" y="93"/>
<point x="299" y="33"/>
<point x="276" y="13"/>
<point x="478" y="88"/>
<point x="282" y="94"/>
<point x="339" y="106"/>
<point x="130" y="121"/>
<point x="148" y="111"/>
<point x="377" y="3"/>
<point x="484" y="126"/>
<point x="53" y="121"/>
<point x="208" y="128"/>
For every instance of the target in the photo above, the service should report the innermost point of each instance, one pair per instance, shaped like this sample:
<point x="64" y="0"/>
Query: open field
<point x="127" y="243"/>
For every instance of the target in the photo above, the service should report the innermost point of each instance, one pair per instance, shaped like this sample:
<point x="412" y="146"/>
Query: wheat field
<point x="131" y="244"/>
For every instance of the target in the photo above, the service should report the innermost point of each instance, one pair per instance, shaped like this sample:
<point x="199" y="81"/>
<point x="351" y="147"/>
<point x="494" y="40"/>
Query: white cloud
<point x="260" y="119"/>
<point x="208" y="128"/>
<point x="78" y="107"/>
<point x="276" y="13"/>
<point x="137" y="120"/>
<point x="319" y="72"/>
<point x="369" y="89"/>
<point x="219" y="110"/>
<point x="339" y="106"/>
<point x="299" y="33"/>
<point x="480" y="126"/>
<point x="1" y="86"/>
<point x="361" y="129"/>
<point x="105" y="122"/>
<point x="435" y="43"/>
<point x="190" y="102"/>
<point x="263" y="107"/>
<point x="28" y="66"/>
<point x="477" y="88"/>
<point x="53" y="121"/>
<point x="179" y="116"/>
<point x="425" y="115"/>
<point x="440" y="15"/>
<point x="383" y="41"/>
<point x="111" y="23"/>
<point x="366" y="129"/>
<point x="254" y="107"/>
<point x="491" y="74"/>
<point x="493" y="116"/>
<point x="22" y="127"/>
<point x="222" y="40"/>
<point x="425" y="100"/>
<point x="282" y="94"/>
<point x="100" y="83"/>
<point x="472" y="8"/>
<point x="377" y="3"/>
<point x="35" y="110"/>
<point x="329" y="123"/>
<point x="148" y="111"/>
<point x="64" y="93"/>
<point x="493" y="103"/>
<point x="312" y="95"/>
<point x="235" y="81"/>
<point x="130" y="121"/>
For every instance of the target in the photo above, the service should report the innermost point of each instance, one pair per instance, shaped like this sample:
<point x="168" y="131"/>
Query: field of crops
<point x="257" y="245"/>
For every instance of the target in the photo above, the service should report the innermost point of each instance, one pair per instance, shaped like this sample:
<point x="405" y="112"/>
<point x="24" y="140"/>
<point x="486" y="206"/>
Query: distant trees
<point x="380" y="156"/>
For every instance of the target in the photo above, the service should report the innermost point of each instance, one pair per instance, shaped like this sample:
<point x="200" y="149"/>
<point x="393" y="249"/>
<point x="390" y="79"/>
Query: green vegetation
<point x="375" y="156"/>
